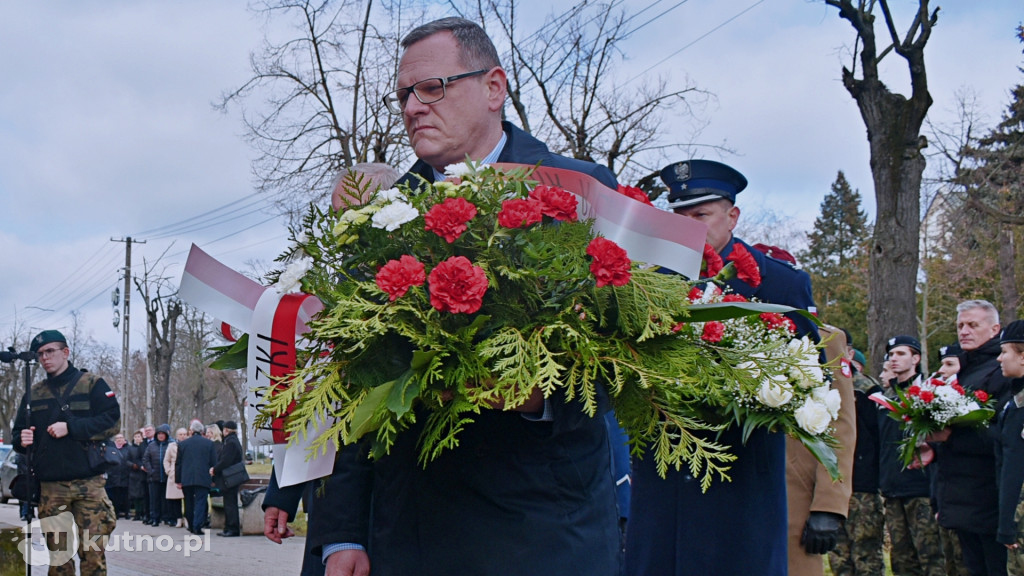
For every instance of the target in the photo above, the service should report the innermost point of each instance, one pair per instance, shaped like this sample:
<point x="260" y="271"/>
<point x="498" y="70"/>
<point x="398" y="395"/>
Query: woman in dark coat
<point x="153" y="462"/>
<point x="118" y="478"/>
<point x="137" y="477"/>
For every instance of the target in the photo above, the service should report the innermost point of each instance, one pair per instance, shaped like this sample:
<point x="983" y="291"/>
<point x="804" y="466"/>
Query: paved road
<point x="214" y="556"/>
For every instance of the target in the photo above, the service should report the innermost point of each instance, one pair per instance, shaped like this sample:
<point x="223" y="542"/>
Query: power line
<point x="699" y="38"/>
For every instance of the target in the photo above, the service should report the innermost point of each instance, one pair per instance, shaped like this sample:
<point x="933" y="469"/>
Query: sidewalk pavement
<point x="168" y="551"/>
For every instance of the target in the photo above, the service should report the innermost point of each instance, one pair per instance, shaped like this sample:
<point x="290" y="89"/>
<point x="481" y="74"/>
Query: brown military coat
<point x="808" y="485"/>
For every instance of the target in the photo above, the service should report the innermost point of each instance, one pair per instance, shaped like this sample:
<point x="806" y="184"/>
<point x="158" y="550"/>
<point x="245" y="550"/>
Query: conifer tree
<point x="992" y="177"/>
<point x="836" y="259"/>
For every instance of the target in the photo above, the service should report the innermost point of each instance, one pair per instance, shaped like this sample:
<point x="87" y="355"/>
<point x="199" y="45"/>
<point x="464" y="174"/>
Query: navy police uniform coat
<point x="736" y="527"/>
<point x="515" y="497"/>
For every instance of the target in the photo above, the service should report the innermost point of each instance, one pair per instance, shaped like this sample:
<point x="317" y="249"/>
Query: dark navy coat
<point x="515" y="497"/>
<point x="1010" y="463"/>
<point x="196" y="455"/>
<point x="736" y="527"/>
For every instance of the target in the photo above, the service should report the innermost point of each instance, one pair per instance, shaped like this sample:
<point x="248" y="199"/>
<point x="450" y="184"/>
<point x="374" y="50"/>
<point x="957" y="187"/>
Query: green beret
<point x="45" y="337"/>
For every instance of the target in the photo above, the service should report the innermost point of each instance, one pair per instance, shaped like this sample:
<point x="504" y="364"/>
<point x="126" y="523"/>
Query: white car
<point x="8" y="470"/>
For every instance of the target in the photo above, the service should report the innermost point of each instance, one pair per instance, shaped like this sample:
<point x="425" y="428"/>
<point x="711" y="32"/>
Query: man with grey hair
<point x="196" y="456"/>
<point x="528" y="491"/>
<point x="966" y="491"/>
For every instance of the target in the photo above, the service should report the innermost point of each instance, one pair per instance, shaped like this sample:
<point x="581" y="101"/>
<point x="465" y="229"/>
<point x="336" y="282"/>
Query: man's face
<point x="53" y="357"/>
<point x="119" y="440"/>
<point x="950" y="366"/>
<point x="720" y="217"/>
<point x="974" y="327"/>
<point x="180" y="435"/>
<point x="903" y="361"/>
<point x="149" y="431"/>
<point x="466" y="121"/>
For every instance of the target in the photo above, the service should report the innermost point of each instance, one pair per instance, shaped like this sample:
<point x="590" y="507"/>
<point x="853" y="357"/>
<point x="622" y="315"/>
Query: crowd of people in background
<point x="954" y="510"/>
<point x="147" y="485"/>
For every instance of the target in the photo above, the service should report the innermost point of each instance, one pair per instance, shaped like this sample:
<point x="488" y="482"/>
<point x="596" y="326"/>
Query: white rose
<point x="813" y="416"/>
<point x="833" y="401"/>
<point x="394" y="215"/>
<point x="774" y="393"/>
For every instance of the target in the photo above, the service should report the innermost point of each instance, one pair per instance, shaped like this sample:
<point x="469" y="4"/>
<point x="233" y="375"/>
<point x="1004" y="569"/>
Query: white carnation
<point x="813" y="416"/>
<point x="459" y="170"/>
<point x="394" y="215"/>
<point x="389" y="195"/>
<point x="291" y="279"/>
<point x="774" y="393"/>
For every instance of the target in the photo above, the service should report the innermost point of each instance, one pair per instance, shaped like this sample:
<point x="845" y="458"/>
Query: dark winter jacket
<point x="966" y="489"/>
<point x="92" y="413"/>
<point x="1010" y="463"/>
<point x="117" y="477"/>
<point x="865" y="455"/>
<point x="137" y="476"/>
<point x="230" y="455"/>
<point x="153" y="459"/>
<point x="893" y="480"/>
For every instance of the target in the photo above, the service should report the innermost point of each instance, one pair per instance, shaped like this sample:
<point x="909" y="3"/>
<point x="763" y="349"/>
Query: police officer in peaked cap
<point x="737" y="527"/>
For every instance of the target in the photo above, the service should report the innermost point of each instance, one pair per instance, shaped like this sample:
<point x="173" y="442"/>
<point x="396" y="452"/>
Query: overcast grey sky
<point x="107" y="128"/>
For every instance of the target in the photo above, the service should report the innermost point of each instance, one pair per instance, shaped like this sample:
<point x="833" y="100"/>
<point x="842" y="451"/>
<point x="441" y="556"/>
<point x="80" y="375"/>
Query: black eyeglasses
<point x="48" y="352"/>
<point x="426" y="91"/>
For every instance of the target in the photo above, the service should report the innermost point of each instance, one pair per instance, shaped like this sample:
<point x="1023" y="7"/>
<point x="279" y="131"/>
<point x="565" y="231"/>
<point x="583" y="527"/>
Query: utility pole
<point x="125" y="392"/>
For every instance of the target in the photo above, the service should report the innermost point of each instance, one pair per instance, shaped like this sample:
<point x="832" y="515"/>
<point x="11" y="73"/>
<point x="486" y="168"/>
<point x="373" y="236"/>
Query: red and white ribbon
<point x="275" y="324"/>
<point x="646" y="233"/>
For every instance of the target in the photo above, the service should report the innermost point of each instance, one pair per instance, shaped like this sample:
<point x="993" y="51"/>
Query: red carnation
<point x="713" y="332"/>
<point x="678" y="326"/>
<point x="634" y="193"/>
<point x="712" y="263"/>
<point x="611" y="264"/>
<point x="397" y="276"/>
<point x="555" y="202"/>
<point x="772" y="319"/>
<point x="695" y="294"/>
<point x="519" y="213"/>
<point x="746" y="266"/>
<point x="733" y="298"/>
<point x="457" y="286"/>
<point x="448" y="219"/>
<point x="958" y="388"/>
<point x="914" y="390"/>
<point x="790" y="325"/>
<point x="936" y="382"/>
<point x="981" y="395"/>
<point x="927" y="396"/>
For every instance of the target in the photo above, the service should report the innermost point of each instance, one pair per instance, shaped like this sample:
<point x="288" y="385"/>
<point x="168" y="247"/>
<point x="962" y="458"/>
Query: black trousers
<point x="983" y="556"/>
<point x="231" y="523"/>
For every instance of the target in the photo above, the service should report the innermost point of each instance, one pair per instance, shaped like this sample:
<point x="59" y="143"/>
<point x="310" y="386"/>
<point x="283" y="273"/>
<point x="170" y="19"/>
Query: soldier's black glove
<point x="821" y="532"/>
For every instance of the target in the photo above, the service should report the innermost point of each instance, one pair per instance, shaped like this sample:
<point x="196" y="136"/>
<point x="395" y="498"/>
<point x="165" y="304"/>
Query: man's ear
<point x="497" y="88"/>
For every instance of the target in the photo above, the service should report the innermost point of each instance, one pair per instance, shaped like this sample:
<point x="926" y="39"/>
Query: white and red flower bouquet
<point x="445" y="299"/>
<point x="931" y="405"/>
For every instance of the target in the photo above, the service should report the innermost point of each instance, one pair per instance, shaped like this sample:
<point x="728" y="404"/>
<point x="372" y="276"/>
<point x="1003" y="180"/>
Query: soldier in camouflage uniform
<point x="909" y="518"/>
<point x="68" y="410"/>
<point x="859" y="550"/>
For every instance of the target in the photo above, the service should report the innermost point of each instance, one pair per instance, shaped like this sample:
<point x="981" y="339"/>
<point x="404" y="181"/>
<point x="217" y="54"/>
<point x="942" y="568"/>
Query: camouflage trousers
<point x="951" y="551"/>
<point x="76" y="510"/>
<point x="914" y="534"/>
<point x="859" y="550"/>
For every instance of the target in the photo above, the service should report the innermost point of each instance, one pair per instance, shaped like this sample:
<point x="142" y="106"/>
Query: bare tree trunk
<point x="893" y="124"/>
